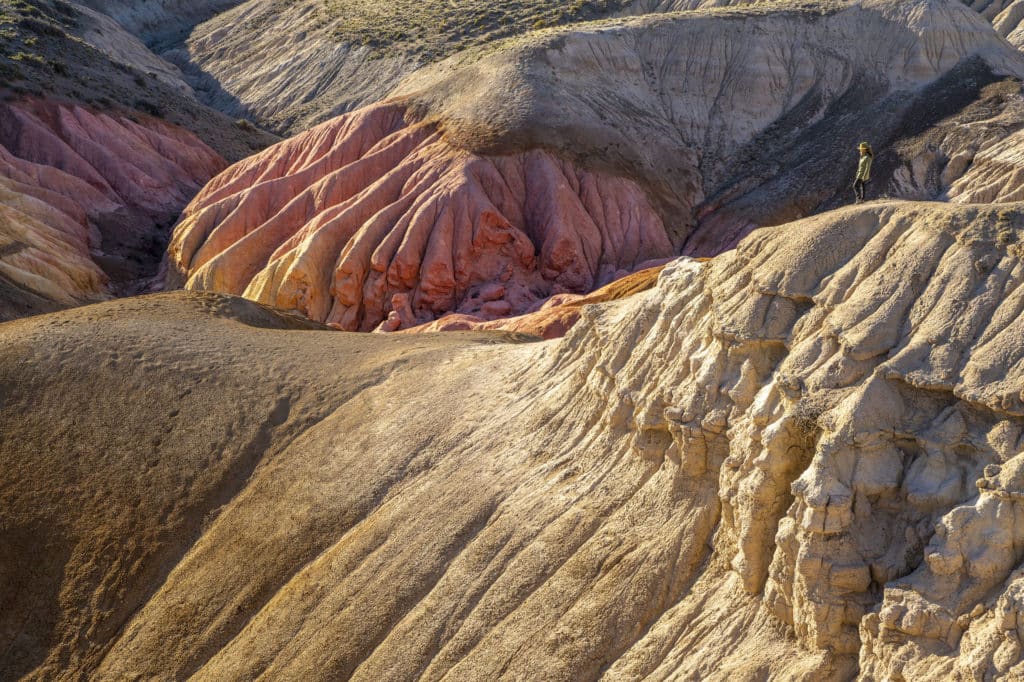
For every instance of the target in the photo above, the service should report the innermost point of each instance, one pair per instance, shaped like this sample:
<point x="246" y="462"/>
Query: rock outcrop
<point x="541" y="149"/>
<point x="101" y="146"/>
<point x="766" y="466"/>
<point x="1007" y="16"/>
<point x="89" y="199"/>
<point x="346" y="221"/>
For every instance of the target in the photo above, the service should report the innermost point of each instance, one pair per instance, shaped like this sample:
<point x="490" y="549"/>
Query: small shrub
<point x="148" y="107"/>
<point x="27" y="57"/>
<point x="40" y="27"/>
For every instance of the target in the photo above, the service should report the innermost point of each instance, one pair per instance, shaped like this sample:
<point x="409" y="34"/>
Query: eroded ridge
<point x="88" y="198"/>
<point x="852" y="394"/>
<point x="496" y="179"/>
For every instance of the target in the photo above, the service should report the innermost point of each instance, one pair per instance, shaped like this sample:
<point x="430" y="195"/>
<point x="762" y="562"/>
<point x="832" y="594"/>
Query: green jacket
<point x="864" y="168"/>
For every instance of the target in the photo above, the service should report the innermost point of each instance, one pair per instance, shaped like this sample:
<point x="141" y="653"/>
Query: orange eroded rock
<point x="554" y="317"/>
<point x="338" y="221"/>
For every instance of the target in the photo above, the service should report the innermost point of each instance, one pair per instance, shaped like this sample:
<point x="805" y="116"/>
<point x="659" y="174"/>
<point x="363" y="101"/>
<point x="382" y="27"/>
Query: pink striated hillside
<point x="85" y="195"/>
<point x="374" y="213"/>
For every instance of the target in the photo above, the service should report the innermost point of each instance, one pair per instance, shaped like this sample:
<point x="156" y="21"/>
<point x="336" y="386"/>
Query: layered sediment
<point x="89" y="200"/>
<point x="346" y="221"/>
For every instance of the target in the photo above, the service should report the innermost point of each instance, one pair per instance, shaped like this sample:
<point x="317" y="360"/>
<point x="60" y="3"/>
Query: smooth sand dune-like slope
<point x="797" y="460"/>
<point x="557" y="163"/>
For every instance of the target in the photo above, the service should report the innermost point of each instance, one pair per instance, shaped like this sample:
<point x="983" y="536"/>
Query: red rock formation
<point x="371" y="213"/>
<point x="553" y="318"/>
<point x="86" y="192"/>
<point x="139" y="163"/>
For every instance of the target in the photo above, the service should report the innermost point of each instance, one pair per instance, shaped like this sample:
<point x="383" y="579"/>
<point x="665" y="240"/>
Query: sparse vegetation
<point x="27" y="57"/>
<point x="436" y="30"/>
<point x="27" y="30"/>
<point x="41" y="55"/>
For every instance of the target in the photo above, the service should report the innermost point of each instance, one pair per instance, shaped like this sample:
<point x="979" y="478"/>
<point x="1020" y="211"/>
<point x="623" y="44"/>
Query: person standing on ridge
<point x="863" y="171"/>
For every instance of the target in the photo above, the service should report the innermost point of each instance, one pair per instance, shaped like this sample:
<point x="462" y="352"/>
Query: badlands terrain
<point x="533" y="341"/>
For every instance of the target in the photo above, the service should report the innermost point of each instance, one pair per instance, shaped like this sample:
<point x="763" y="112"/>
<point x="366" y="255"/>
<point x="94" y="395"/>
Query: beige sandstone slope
<point x="159" y="22"/>
<point x="293" y="63"/>
<point x="723" y="477"/>
<point x="109" y="37"/>
<point x="1006" y="15"/>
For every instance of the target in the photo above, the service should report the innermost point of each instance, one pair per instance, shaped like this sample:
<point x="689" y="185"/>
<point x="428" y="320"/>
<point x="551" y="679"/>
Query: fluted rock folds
<point x="339" y="221"/>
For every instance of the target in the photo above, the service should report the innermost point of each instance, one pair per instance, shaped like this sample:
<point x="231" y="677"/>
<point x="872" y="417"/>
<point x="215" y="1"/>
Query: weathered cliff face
<point x="532" y="167"/>
<point x="89" y="200"/>
<point x="762" y="467"/>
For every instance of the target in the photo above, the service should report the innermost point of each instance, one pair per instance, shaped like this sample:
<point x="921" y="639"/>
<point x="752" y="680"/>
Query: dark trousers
<point x="858" y="189"/>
